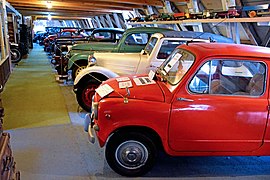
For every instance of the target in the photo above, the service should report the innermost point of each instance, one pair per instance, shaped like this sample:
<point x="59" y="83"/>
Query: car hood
<point x="148" y="92"/>
<point x="94" y="46"/>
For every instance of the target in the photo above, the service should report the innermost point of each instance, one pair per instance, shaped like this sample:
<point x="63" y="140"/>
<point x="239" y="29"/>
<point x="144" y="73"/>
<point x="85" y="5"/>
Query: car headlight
<point x="91" y="60"/>
<point x="95" y="109"/>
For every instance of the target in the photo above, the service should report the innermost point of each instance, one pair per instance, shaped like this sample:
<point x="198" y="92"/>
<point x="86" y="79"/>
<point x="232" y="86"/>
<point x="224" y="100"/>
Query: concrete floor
<point x="62" y="152"/>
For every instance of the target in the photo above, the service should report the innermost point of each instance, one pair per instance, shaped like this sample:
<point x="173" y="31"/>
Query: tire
<point x="85" y="93"/>
<point x="131" y="153"/>
<point x="77" y="67"/>
<point x="16" y="55"/>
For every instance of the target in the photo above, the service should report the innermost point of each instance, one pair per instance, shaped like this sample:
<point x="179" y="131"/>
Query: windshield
<point x="176" y="66"/>
<point x="150" y="45"/>
<point x="167" y="47"/>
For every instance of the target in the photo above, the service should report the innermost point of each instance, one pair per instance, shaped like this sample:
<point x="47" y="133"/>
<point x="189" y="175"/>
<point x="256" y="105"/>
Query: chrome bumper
<point x="91" y="127"/>
<point x="91" y="136"/>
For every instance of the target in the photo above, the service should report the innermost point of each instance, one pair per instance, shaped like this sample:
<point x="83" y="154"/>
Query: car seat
<point x="254" y="87"/>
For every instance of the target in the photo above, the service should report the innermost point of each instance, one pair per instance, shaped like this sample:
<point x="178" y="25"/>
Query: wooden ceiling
<point x="78" y="9"/>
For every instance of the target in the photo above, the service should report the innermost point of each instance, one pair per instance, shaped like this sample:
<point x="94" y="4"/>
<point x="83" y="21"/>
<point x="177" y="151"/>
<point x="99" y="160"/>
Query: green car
<point x="133" y="40"/>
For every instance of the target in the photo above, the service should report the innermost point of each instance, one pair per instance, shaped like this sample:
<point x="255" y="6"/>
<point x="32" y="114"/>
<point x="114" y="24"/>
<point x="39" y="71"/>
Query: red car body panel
<point x="118" y="119"/>
<point x="151" y="92"/>
<point x="207" y="125"/>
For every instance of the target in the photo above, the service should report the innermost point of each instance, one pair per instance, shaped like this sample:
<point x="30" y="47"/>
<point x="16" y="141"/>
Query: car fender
<point x="76" y="57"/>
<point x="120" y="63"/>
<point x="94" y="69"/>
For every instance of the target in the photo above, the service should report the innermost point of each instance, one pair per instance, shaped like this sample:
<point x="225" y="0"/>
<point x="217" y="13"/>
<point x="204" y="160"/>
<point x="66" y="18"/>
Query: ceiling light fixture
<point x="49" y="17"/>
<point x="49" y="4"/>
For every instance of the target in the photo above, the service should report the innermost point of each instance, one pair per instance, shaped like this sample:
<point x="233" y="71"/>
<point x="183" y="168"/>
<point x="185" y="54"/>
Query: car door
<point x="206" y="120"/>
<point x="120" y="63"/>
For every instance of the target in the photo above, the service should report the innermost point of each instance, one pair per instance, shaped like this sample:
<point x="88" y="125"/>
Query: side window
<point x="102" y="35"/>
<point x="230" y="77"/>
<point x="118" y="36"/>
<point x="137" y="39"/>
<point x="66" y="34"/>
<point x="200" y="82"/>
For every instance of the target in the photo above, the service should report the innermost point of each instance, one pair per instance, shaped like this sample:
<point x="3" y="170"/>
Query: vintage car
<point x="98" y="35"/>
<point x="66" y="37"/>
<point x="64" y="33"/>
<point x="206" y="99"/>
<point x="109" y="65"/>
<point x="133" y="40"/>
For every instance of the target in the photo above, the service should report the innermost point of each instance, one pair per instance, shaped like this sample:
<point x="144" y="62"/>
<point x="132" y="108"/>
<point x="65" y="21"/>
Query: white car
<point x="103" y="66"/>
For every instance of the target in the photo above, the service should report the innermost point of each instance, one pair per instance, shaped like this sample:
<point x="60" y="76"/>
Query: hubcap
<point x="14" y="55"/>
<point x="79" y="70"/>
<point x="88" y="93"/>
<point x="131" y="154"/>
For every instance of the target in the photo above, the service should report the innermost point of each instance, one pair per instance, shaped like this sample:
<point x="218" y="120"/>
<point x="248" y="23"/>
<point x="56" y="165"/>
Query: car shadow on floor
<point x="167" y="166"/>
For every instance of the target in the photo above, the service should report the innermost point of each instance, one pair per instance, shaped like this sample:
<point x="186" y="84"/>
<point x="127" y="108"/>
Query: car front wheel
<point x="131" y="154"/>
<point x="85" y="93"/>
<point x="16" y="55"/>
<point x="77" y="69"/>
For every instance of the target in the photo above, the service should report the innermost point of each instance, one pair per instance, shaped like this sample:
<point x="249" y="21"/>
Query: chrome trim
<point x="184" y="99"/>
<point x="95" y="109"/>
<point x="87" y="121"/>
<point x="91" y="136"/>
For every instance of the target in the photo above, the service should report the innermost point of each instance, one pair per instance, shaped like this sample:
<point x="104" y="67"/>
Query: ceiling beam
<point x="74" y="14"/>
<point x="130" y="2"/>
<point x="78" y="8"/>
<point x="33" y="12"/>
<point x="40" y="17"/>
<point x="89" y="4"/>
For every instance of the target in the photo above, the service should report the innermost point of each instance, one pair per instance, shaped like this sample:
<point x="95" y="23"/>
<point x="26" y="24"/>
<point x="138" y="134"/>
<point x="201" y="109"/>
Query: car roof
<point x="197" y="35"/>
<point x="147" y="29"/>
<point x="204" y="50"/>
<point x="69" y="30"/>
<point x="109" y="29"/>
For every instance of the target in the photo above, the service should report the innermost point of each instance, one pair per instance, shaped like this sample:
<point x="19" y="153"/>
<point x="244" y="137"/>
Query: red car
<point x="70" y="33"/>
<point x="206" y="99"/>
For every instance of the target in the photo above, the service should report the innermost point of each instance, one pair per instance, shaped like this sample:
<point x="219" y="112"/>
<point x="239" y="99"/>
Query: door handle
<point x="184" y="99"/>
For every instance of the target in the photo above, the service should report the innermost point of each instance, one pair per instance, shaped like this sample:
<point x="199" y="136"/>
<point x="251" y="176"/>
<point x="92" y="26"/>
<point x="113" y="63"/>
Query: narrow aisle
<point x="45" y="143"/>
<point x="32" y="97"/>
